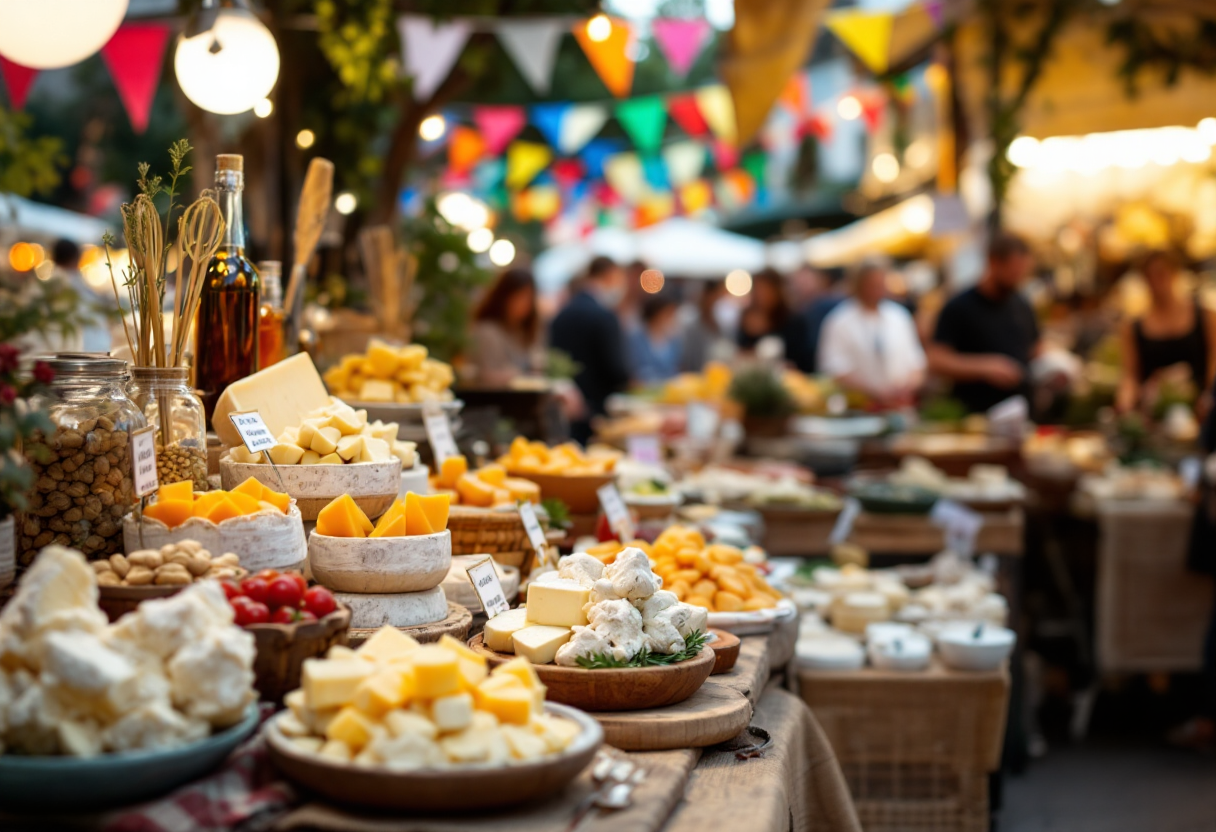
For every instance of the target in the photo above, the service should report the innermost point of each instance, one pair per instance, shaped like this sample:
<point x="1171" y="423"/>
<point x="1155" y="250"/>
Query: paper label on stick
<point x="961" y="525"/>
<point x="439" y="434"/>
<point x="253" y="431"/>
<point x="536" y="535"/>
<point x="644" y="448"/>
<point x="844" y="521"/>
<point x="143" y="452"/>
<point x="616" y="512"/>
<point x="488" y="588"/>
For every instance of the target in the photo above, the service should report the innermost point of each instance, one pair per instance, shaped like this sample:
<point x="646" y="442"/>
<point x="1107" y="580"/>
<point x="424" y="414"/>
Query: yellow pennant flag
<point x="718" y="111"/>
<point x="524" y="161"/>
<point x="866" y="34"/>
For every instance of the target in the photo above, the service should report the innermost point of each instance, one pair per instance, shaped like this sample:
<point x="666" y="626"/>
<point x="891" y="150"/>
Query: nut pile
<point x="81" y="492"/>
<point x="174" y="564"/>
<point x="179" y="462"/>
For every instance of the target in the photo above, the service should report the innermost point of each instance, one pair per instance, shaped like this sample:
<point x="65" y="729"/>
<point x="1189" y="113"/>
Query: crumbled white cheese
<point x="632" y="576"/>
<point x="585" y="641"/>
<point x="619" y="624"/>
<point x="581" y="567"/>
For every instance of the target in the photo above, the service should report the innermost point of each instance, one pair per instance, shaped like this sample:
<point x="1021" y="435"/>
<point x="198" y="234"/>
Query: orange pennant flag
<point x="607" y="42"/>
<point x="465" y="148"/>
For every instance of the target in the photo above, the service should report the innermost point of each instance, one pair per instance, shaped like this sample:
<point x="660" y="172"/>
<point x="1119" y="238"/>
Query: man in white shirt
<point x="869" y="343"/>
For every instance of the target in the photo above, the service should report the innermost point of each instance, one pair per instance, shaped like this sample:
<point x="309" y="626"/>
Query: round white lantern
<point x="48" y="34"/>
<point x="231" y="67"/>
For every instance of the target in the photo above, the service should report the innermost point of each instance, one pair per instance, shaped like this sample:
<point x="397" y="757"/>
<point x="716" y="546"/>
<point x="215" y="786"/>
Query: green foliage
<point x="1162" y="51"/>
<point x="28" y="164"/>
<point x="358" y="41"/>
<point x="693" y="642"/>
<point x="447" y="276"/>
<point x="762" y="393"/>
<point x="559" y="365"/>
<point x="558" y="511"/>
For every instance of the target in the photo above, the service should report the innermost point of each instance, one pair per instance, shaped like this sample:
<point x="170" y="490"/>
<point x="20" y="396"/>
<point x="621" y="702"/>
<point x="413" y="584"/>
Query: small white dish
<point x="980" y="647"/>
<point x="908" y="652"/>
<point x="830" y="653"/>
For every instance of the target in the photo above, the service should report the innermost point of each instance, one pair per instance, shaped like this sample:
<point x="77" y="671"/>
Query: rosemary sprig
<point x="693" y="642"/>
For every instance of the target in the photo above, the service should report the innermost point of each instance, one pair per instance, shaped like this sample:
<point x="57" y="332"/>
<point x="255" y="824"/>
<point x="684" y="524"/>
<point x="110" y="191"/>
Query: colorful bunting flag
<point x="548" y="119"/>
<point x="756" y="165"/>
<point x="866" y="34"/>
<point x="684" y="112"/>
<point x="135" y="55"/>
<point x="726" y="155"/>
<point x="499" y="124"/>
<point x="654" y="208"/>
<point x="488" y="175"/>
<point x="681" y="41"/>
<point x="935" y="10"/>
<point x="685" y="161"/>
<point x="819" y="126"/>
<point x="655" y="172"/>
<point x="596" y="152"/>
<point x="465" y="147"/>
<point x="624" y="172"/>
<point x="793" y="95"/>
<point x="718" y="111"/>
<point x="18" y="79"/>
<point x="610" y="56"/>
<point x="430" y="49"/>
<point x="695" y="197"/>
<point x="544" y="202"/>
<point x="532" y="45"/>
<point x="568" y="173"/>
<point x="643" y="119"/>
<point x="581" y="123"/>
<point x="524" y="161"/>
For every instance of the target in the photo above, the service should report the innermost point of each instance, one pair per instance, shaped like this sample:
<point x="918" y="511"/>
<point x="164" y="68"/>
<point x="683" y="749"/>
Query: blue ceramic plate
<point x="73" y="784"/>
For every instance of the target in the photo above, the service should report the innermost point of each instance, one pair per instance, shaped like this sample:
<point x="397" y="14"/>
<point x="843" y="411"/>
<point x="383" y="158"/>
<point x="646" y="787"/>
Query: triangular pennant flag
<point x="718" y="111"/>
<point x="935" y="10"/>
<point x="684" y="112"/>
<point x="465" y="147"/>
<point x="488" y="174"/>
<point x="567" y="173"/>
<point x="643" y="119"/>
<point x="548" y="119"/>
<point x="726" y="155"/>
<point x="866" y="34"/>
<point x="873" y="107"/>
<point x="685" y="161"/>
<point x="134" y="56"/>
<point x="756" y="164"/>
<point x="532" y="45"/>
<point x="818" y="125"/>
<point x="655" y="172"/>
<point x="580" y="125"/>
<point x="625" y="174"/>
<point x="681" y="41"/>
<point x="609" y="55"/>
<point x="793" y="95"/>
<point x="544" y="202"/>
<point x="654" y="208"/>
<point x="499" y="125"/>
<point x="430" y="50"/>
<point x="18" y="79"/>
<point x="595" y="152"/>
<point x="695" y="197"/>
<point x="524" y="161"/>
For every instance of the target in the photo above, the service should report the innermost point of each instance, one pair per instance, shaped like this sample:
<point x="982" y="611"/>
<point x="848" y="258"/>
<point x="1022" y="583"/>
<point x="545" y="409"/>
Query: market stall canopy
<point x="901" y="230"/>
<point x="33" y="220"/>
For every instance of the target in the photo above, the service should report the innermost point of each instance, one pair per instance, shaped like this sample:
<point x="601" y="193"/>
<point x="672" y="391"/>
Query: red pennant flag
<point x="684" y="111"/>
<point x="499" y="125"/>
<point x="134" y="56"/>
<point x="873" y="107"/>
<point x="818" y="125"/>
<point x="18" y="79"/>
<point x="567" y="172"/>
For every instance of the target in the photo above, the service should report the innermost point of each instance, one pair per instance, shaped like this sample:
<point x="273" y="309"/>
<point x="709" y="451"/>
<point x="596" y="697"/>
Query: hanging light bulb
<point x="48" y="34"/>
<point x="599" y="28"/>
<point x="229" y="67"/>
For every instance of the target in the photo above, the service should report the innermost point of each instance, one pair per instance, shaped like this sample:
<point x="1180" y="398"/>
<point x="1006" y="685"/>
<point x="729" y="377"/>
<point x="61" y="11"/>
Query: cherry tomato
<point x="305" y="615"/>
<point x="258" y="613"/>
<point x="285" y="615"/>
<point x="284" y="592"/>
<point x="240" y="610"/>
<point x="320" y="601"/>
<point x="256" y="588"/>
<point x="231" y="589"/>
<point x="268" y="575"/>
<point x="299" y="579"/>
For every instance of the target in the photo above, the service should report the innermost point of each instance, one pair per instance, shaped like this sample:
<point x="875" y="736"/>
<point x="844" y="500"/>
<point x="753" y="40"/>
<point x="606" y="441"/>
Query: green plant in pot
<point x="767" y="403"/>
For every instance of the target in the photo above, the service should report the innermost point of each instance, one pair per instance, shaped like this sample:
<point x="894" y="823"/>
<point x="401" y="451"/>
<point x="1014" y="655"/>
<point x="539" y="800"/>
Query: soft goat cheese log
<point x="282" y="393"/>
<point x="558" y="603"/>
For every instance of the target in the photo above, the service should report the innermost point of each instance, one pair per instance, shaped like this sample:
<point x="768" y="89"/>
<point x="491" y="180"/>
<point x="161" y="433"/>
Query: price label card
<point x="702" y="421"/>
<point x="616" y="512"/>
<point x="254" y="433"/>
<point x="536" y="535"/>
<point x="439" y="434"/>
<point x="143" y="451"/>
<point x="844" y="521"/>
<point x="1190" y="471"/>
<point x="644" y="448"/>
<point x="488" y="588"/>
<point x="961" y="524"/>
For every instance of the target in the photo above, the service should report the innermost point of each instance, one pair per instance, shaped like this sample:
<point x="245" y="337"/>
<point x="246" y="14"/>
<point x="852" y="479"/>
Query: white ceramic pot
<point x="910" y="651"/>
<point x="8" y="551"/>
<point x="372" y="485"/>
<point x="415" y="479"/>
<point x="401" y="609"/>
<point x="830" y="653"/>
<point x="975" y="647"/>
<point x="381" y="565"/>
<point x="267" y="540"/>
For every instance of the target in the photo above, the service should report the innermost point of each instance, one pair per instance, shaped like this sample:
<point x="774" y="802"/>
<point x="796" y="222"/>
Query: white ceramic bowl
<point x="381" y="565"/>
<point x="881" y="631"/>
<point x="909" y="652"/>
<point x="975" y="647"/>
<point x="830" y="653"/>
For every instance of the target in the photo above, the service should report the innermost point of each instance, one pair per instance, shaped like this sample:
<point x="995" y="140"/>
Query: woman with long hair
<point x="767" y="312"/>
<point x="506" y="330"/>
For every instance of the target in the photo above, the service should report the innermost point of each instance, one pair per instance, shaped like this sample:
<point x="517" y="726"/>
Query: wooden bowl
<point x="458" y="789"/>
<point x="578" y="492"/>
<point x="373" y="485"/>
<point x="117" y="601"/>
<point x="726" y="650"/>
<point x="266" y="540"/>
<point x="616" y="689"/>
<point x="282" y="649"/>
<point x="380" y="565"/>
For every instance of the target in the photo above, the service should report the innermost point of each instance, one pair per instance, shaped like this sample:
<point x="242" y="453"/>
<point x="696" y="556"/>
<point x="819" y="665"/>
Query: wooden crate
<point x="915" y="534"/>
<point x="1152" y="612"/>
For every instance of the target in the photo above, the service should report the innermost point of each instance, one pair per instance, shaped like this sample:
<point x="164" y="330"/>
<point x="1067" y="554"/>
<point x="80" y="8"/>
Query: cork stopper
<point x="230" y="161"/>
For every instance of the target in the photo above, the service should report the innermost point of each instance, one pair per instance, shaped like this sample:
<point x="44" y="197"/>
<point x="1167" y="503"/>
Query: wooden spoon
<point x="310" y="221"/>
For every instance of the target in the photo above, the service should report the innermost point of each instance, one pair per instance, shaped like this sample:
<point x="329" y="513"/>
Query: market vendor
<point x="505" y="336"/>
<point x="987" y="335"/>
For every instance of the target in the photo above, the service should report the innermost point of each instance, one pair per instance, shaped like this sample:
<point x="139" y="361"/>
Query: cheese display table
<point x="911" y="534"/>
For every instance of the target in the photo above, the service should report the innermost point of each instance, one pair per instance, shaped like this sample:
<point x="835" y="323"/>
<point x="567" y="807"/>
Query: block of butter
<point x="558" y="603"/>
<point x="283" y="393"/>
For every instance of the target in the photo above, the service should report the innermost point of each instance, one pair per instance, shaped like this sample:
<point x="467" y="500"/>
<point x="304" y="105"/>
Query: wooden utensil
<point x="310" y="221"/>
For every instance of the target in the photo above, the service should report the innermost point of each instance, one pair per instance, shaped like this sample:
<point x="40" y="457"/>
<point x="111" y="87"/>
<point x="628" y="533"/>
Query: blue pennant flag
<point x="548" y="119"/>
<point x="596" y="151"/>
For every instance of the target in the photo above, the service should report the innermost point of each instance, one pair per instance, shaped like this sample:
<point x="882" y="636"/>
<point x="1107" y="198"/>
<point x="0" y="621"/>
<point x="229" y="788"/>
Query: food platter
<point x="755" y="621"/>
<point x="453" y="788"/>
<point x="616" y="689"/>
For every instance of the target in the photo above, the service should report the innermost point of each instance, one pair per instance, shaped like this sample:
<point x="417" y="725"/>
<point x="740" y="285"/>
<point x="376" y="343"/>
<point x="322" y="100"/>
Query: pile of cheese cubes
<point x="387" y="374"/>
<point x="568" y="459"/>
<point x="333" y="435"/>
<point x="415" y="515"/>
<point x="176" y="503"/>
<point x="405" y="706"/>
<point x="485" y="487"/>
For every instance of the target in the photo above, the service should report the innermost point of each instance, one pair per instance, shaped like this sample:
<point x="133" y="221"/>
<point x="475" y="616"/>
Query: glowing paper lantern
<point x="48" y="34"/>
<point x="235" y="76"/>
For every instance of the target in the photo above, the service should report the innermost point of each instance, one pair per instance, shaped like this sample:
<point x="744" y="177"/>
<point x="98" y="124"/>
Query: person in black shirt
<point x="589" y="331"/>
<point x="986" y="336"/>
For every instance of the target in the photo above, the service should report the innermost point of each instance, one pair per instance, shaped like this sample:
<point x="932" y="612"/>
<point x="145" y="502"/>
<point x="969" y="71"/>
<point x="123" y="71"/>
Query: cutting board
<point x="713" y="714"/>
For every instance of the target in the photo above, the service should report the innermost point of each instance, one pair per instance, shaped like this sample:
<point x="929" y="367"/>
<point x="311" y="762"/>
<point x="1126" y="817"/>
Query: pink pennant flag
<point x="934" y="9"/>
<point x="726" y="155"/>
<point x="681" y="41"/>
<point x="499" y="125"/>
<point x="134" y="56"/>
<point x="18" y="79"/>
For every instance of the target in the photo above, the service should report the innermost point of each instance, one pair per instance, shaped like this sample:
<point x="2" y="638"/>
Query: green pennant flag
<point x="755" y="164"/>
<point x="644" y="119"/>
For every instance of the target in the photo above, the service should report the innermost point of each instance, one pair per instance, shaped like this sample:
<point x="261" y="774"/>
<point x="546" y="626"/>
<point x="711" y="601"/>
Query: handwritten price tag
<point x="439" y="434"/>
<point x="488" y="588"/>
<point x="644" y="448"/>
<point x="536" y="535"/>
<point x="143" y="451"/>
<point x="961" y="524"/>
<point x="616" y="512"/>
<point x="844" y="521"/>
<point x="702" y="421"/>
<point x="254" y="433"/>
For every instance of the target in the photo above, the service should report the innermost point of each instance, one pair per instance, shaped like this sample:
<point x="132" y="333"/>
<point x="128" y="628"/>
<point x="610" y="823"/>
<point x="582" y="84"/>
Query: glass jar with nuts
<point x="164" y="396"/>
<point x="82" y="470"/>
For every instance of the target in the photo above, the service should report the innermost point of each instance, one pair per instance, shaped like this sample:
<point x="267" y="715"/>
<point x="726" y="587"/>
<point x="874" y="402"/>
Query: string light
<point x="22" y="257"/>
<point x="432" y="128"/>
<point x="229" y="67"/>
<point x="263" y="108"/>
<point x="305" y="139"/>
<point x="885" y="167"/>
<point x="849" y="108"/>
<point x="738" y="283"/>
<point x="652" y="281"/>
<point x="480" y="240"/>
<point x="599" y="28"/>
<point x="502" y="253"/>
<point x="346" y="203"/>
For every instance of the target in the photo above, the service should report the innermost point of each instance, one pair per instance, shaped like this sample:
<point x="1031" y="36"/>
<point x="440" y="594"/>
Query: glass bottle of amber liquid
<point x="270" y="317"/>
<point x="226" y="334"/>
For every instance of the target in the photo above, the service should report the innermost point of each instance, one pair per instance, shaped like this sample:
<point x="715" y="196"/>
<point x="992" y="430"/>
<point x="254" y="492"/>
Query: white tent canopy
<point x="33" y="220"/>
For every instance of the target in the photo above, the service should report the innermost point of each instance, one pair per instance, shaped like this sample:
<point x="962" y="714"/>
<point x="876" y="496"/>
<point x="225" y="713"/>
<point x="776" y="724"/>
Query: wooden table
<point x="911" y="535"/>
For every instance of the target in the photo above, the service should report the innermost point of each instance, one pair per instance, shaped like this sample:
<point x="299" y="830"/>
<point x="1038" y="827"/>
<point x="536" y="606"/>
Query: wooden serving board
<point x="456" y="625"/>
<point x="726" y="651"/>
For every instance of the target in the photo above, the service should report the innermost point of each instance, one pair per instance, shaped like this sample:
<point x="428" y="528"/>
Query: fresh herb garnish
<point x="693" y="642"/>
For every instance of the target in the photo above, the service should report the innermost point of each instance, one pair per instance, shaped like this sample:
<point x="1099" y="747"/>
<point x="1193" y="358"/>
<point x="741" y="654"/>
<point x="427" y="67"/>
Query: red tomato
<point x="240" y="610"/>
<point x="305" y="615"/>
<point x="285" y="615"/>
<point x="231" y="589"/>
<point x="284" y="592"/>
<point x="256" y="588"/>
<point x="299" y="579"/>
<point x="268" y="575"/>
<point x="320" y="601"/>
<point x="258" y="613"/>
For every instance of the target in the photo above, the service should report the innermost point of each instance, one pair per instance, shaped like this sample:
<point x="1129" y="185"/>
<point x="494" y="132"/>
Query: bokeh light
<point x="738" y="283"/>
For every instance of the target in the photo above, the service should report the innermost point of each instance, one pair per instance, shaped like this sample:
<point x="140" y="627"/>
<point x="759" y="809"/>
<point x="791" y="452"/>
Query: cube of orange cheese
<point x="436" y="671"/>
<point x="183" y="490"/>
<point x="436" y="507"/>
<point x="474" y="492"/>
<point x="452" y="469"/>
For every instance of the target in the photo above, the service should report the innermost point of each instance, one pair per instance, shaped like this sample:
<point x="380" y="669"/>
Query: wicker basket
<point x="480" y="531"/>
<point x="282" y="649"/>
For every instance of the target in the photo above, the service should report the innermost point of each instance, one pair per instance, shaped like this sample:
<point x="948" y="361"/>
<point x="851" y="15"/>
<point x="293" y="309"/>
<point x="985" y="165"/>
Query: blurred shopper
<point x="986" y="336"/>
<point x="704" y="337"/>
<point x="506" y="331"/>
<point x="767" y="311"/>
<point x="588" y="330"/>
<point x="654" y="345"/>
<point x="1175" y="330"/>
<point x="869" y="343"/>
<point x="832" y="296"/>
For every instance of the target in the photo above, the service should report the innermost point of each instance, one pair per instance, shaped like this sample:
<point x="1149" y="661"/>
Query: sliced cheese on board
<point x="500" y="628"/>
<point x="559" y="603"/>
<point x="283" y="393"/>
<point x="538" y="643"/>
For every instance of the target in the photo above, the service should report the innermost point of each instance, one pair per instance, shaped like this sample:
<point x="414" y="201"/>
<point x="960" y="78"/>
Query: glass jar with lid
<point x="164" y="396"/>
<point x="82" y="470"/>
